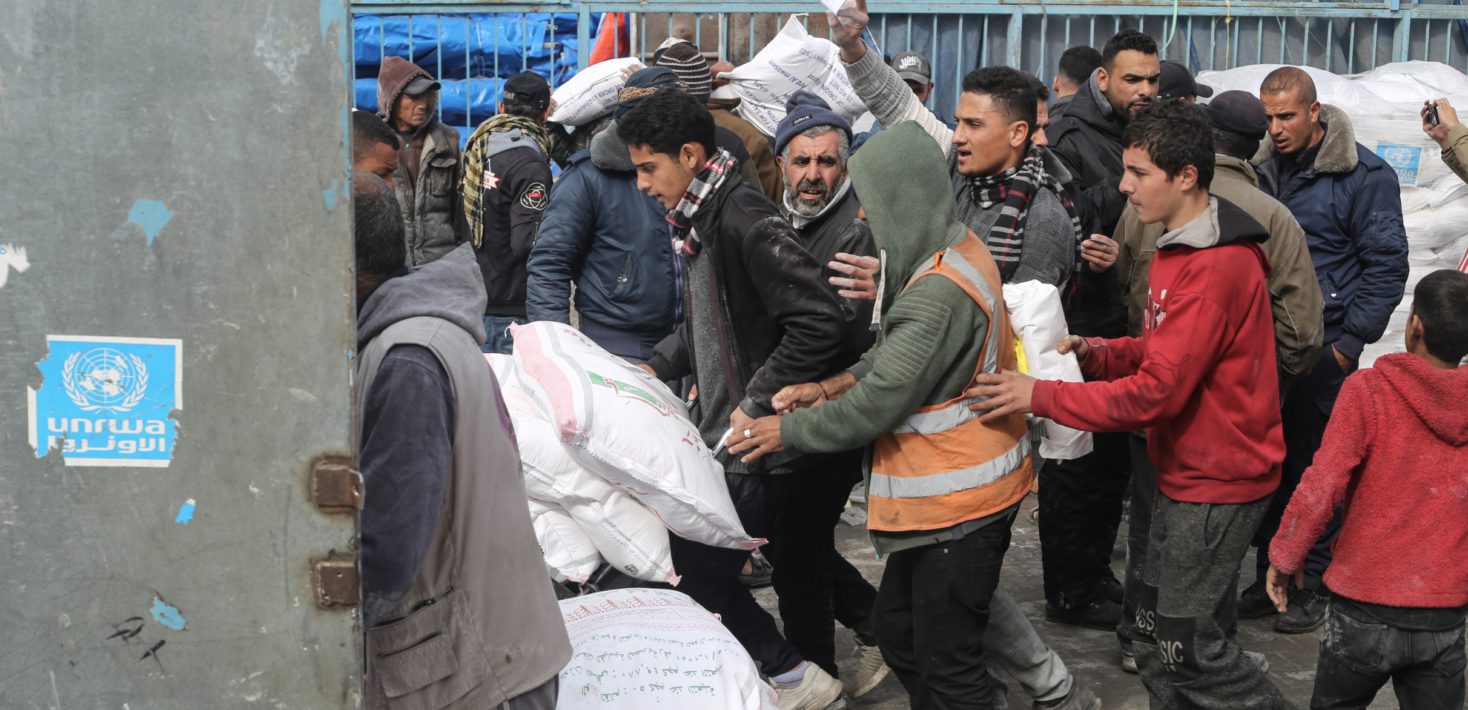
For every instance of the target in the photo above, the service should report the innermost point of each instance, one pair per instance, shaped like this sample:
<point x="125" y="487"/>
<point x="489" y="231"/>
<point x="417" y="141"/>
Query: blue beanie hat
<point x="804" y="111"/>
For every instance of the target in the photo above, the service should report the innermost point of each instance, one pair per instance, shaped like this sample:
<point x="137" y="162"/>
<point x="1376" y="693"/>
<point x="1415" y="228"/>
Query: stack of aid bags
<point x="612" y="461"/>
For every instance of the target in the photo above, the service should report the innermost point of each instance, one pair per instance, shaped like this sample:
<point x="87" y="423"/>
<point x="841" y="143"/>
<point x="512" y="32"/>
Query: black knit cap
<point x="1240" y="112"/>
<point x="688" y="63"/>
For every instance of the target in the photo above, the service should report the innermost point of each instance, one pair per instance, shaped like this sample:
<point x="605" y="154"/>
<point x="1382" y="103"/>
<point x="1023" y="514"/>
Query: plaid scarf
<point x="1013" y="190"/>
<point x="705" y="183"/>
<point x="476" y="164"/>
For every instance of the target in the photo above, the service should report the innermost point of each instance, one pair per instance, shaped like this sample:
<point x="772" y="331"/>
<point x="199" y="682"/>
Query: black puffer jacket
<point x="1086" y="138"/>
<point x="759" y="316"/>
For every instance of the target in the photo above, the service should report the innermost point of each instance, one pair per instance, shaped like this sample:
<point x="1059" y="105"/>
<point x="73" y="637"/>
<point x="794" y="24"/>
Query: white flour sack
<point x="628" y="535"/>
<point x="568" y="552"/>
<point x="792" y="61"/>
<point x="592" y="93"/>
<point x="1037" y="320"/>
<point x="1383" y="105"/>
<point x="654" y="648"/>
<point x="626" y="427"/>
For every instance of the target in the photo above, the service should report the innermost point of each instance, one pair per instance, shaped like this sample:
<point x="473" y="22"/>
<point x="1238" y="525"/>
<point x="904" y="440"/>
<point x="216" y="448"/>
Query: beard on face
<point x="808" y="208"/>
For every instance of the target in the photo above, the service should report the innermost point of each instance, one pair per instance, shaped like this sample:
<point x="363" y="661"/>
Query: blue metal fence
<point x="475" y="41"/>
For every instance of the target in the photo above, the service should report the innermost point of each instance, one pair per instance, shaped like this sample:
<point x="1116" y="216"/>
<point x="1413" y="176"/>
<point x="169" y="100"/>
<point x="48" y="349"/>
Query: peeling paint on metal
<point x="332" y="195"/>
<point x="151" y="215"/>
<point x="167" y="616"/>
<point x="12" y="257"/>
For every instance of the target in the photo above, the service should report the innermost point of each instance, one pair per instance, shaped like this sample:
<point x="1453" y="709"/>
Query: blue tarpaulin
<point x="471" y="55"/>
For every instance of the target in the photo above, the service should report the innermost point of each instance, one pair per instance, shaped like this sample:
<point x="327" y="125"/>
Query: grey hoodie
<point x="458" y="606"/>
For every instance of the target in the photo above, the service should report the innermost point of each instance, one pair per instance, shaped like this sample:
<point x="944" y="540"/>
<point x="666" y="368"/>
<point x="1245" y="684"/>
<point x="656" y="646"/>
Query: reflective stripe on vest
<point x="942" y="466"/>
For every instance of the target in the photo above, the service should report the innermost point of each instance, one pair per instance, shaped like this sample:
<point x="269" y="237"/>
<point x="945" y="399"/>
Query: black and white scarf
<point x="705" y="183"/>
<point x="1013" y="190"/>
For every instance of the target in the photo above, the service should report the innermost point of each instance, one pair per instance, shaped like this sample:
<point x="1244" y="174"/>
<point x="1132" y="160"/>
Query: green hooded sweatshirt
<point x="931" y="333"/>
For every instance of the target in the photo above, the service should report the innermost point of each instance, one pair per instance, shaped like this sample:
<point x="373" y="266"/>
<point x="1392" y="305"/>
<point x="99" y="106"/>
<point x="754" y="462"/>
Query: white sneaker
<point x="871" y="670"/>
<point x="817" y="691"/>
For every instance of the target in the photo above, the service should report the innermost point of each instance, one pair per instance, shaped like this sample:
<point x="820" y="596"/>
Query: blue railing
<point x="478" y="43"/>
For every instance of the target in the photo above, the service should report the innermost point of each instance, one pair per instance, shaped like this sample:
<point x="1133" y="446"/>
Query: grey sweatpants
<point x="1193" y="560"/>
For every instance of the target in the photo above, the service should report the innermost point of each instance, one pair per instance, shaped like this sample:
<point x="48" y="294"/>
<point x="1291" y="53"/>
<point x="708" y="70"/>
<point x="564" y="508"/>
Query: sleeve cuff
<point x="754" y="409"/>
<point x="859" y="370"/>
<point x="661" y="367"/>
<point x="1350" y="346"/>
<point x="1042" y="399"/>
<point x="790" y="431"/>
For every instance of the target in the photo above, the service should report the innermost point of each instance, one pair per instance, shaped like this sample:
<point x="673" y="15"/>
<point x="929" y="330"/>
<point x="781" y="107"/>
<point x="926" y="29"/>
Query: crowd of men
<point x="832" y="302"/>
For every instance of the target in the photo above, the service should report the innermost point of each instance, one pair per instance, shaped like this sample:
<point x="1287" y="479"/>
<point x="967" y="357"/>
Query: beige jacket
<point x="1293" y="288"/>
<point x="1456" y="154"/>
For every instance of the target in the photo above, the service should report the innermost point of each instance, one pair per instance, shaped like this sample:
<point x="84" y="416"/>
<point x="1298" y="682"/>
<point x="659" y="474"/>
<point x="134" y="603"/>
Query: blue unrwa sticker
<point x="106" y="401"/>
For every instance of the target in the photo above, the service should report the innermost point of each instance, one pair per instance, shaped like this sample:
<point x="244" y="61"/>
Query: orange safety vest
<point x="942" y="466"/>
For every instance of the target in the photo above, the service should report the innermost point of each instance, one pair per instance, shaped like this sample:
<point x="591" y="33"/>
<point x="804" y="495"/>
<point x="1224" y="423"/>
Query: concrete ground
<point x="1091" y="655"/>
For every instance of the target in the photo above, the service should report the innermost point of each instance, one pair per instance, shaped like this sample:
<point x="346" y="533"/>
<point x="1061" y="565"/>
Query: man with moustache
<point x="1087" y="138"/>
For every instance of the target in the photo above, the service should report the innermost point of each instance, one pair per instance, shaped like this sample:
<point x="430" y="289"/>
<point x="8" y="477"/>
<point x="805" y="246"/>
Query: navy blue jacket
<point x="1349" y="203"/>
<point x="612" y="240"/>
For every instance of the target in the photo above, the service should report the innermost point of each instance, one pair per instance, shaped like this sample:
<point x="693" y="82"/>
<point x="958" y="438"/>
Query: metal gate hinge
<point x="335" y="580"/>
<point x="335" y="485"/>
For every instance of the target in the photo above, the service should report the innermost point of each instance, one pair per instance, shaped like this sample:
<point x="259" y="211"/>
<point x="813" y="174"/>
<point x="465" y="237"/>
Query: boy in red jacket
<point x="1396" y="452"/>
<point x="1201" y="380"/>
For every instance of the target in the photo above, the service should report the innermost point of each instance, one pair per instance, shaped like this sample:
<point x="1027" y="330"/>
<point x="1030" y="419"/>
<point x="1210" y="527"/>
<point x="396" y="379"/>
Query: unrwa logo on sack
<point x="1406" y="160"/>
<point x="630" y="391"/>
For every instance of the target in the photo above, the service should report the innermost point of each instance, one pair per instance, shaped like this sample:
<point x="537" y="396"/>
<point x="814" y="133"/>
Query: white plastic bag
<point x="654" y="648"/>
<point x="792" y="61"/>
<point x="568" y="553"/>
<point x="628" y="535"/>
<point x="592" y="93"/>
<point x="626" y="427"/>
<point x="1037" y="320"/>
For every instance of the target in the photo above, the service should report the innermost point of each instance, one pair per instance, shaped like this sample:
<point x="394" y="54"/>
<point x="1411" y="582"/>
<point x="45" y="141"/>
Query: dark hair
<point x="1125" y="40"/>
<point x="1012" y="90"/>
<point x="1234" y="145"/>
<point x="1042" y="92"/>
<point x="666" y="121"/>
<point x="526" y="109"/>
<point x="377" y="226"/>
<point x="1175" y="134"/>
<point x="1289" y="79"/>
<point x="1441" y="301"/>
<point x="1078" y="63"/>
<point x="368" y="129"/>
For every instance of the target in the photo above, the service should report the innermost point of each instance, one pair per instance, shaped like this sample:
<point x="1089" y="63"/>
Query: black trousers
<point x="1306" y="411"/>
<point x="1080" y="511"/>
<point x="932" y="609"/>
<point x="797" y="512"/>
<point x="1359" y="655"/>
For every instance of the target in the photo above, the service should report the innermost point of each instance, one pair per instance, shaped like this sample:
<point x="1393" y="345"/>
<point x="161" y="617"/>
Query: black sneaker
<point x="1112" y="589"/>
<point x="1254" y="602"/>
<point x="1101" y="614"/>
<point x="1306" y="613"/>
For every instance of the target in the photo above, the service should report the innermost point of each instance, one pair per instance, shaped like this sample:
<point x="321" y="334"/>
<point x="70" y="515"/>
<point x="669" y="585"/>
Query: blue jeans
<point x="497" y="333"/>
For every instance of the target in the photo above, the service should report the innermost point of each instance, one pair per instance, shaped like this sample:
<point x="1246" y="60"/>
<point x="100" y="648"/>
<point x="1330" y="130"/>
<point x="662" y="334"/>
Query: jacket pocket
<point x="1334" y="300"/>
<point x="441" y="176"/>
<point x="416" y="658"/>
<point x="621" y="284"/>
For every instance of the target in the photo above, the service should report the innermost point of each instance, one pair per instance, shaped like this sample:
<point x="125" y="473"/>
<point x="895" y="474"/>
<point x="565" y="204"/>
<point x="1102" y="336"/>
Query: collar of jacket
<point x="1229" y="167"/>
<point x="1337" y="150"/>
<point x="799" y="222"/>
<point x="609" y="151"/>
<point x="1090" y="106"/>
<point x="1222" y="223"/>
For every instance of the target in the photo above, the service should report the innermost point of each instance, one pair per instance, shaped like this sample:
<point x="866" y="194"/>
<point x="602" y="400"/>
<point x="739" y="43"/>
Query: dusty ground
<point x="1091" y="655"/>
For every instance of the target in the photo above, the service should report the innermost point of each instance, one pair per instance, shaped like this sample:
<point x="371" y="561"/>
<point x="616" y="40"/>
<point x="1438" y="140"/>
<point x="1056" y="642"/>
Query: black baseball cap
<point x="1178" y="82"/>
<point x="527" y="87"/>
<point x="420" y="85"/>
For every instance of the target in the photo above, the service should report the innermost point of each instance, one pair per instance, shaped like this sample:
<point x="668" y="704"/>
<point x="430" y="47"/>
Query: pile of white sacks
<point x="1383" y="105"/>
<point x="611" y="460"/>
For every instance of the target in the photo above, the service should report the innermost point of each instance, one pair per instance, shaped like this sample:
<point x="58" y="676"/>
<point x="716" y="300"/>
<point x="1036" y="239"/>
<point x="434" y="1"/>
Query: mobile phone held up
<point x="1432" y="118"/>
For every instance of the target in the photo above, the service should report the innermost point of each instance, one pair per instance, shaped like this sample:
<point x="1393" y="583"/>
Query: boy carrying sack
<point x="1395" y="454"/>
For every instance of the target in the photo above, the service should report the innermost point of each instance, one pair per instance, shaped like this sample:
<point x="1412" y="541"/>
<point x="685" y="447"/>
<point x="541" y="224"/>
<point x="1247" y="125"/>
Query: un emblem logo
<point x="104" y="379"/>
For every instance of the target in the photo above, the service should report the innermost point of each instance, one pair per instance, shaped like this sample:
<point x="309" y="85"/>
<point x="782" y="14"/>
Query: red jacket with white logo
<point x="1201" y="380"/>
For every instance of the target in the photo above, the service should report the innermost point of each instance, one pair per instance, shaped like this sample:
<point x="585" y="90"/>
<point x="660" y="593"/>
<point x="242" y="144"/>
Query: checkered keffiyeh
<point x="705" y="183"/>
<point x="1015" y="189"/>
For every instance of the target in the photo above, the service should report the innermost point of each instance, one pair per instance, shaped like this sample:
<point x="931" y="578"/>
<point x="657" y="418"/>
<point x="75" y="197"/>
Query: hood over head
<point x="1434" y="395"/>
<point x="392" y="78"/>
<point x="901" y="178"/>
<point x="609" y="151"/>
<point x="451" y="288"/>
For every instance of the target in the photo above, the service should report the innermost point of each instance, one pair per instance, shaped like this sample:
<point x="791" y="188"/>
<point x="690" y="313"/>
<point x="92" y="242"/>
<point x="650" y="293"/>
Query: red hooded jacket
<point x="1396" y="452"/>
<point x="1201" y="380"/>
